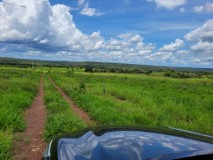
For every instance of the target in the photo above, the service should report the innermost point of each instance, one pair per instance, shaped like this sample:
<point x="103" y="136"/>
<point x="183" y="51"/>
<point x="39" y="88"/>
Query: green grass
<point x="61" y="119"/>
<point x="109" y="98"/>
<point x="143" y="100"/>
<point x="6" y="141"/>
<point x="18" y="87"/>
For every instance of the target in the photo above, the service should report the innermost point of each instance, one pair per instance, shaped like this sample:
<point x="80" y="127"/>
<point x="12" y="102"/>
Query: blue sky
<point x="151" y="32"/>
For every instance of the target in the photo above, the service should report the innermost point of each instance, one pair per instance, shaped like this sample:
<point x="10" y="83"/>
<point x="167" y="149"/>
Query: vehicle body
<point x="130" y="143"/>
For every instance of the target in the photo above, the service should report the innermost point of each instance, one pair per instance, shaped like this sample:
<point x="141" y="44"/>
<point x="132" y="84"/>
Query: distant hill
<point x="96" y="65"/>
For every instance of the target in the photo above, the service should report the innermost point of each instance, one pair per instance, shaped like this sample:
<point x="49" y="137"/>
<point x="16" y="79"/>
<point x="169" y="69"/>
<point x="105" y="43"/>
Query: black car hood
<point x="125" y="145"/>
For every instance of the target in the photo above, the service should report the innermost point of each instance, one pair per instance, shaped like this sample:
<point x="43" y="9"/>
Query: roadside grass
<point x="143" y="100"/>
<point x="61" y="119"/>
<point x="6" y="141"/>
<point x="17" y="90"/>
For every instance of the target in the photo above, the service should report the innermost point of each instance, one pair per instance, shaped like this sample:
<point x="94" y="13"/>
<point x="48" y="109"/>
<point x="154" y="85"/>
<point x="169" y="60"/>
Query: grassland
<point x="17" y="90"/>
<point x="142" y="100"/>
<point x="109" y="98"/>
<point x="61" y="118"/>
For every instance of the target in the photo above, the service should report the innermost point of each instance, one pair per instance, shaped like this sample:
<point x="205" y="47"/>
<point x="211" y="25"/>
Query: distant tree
<point x="88" y="69"/>
<point x="148" y="72"/>
<point x="112" y="70"/>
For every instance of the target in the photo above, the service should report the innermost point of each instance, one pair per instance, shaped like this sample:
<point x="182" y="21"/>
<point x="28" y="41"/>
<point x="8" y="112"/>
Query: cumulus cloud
<point x="168" y="4"/>
<point x="170" y="53"/>
<point x="38" y="27"/>
<point x="129" y="44"/>
<point x="203" y="47"/>
<point x="203" y="33"/>
<point x="90" y="11"/>
<point x="84" y="9"/>
<point x="174" y="46"/>
<point x="206" y="8"/>
<point x="198" y="9"/>
<point x="203" y="42"/>
<point x="36" y="23"/>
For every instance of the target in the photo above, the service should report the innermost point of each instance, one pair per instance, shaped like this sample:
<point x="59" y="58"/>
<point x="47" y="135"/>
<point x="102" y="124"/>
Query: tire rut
<point x="30" y="144"/>
<point x="79" y="112"/>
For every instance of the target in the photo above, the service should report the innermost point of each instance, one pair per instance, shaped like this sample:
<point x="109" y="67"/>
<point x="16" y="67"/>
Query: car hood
<point x="129" y="145"/>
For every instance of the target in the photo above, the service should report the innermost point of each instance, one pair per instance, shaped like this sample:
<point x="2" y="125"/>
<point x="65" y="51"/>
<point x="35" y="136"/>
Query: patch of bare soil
<point x="29" y="145"/>
<point x="82" y="114"/>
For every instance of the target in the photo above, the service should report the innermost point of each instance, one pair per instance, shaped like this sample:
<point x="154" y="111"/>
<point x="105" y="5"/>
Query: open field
<point x="142" y="100"/>
<point x="17" y="90"/>
<point x="109" y="99"/>
<point x="61" y="118"/>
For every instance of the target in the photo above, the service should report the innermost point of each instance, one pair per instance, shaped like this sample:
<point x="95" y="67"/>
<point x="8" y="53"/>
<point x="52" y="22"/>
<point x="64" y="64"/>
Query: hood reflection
<point x="125" y="145"/>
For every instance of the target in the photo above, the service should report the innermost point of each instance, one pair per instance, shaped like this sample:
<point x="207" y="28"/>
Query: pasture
<point x="18" y="87"/>
<point x="113" y="98"/>
<point x="109" y="99"/>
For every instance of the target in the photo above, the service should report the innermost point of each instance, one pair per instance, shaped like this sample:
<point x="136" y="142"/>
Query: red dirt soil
<point x="30" y="145"/>
<point x="80" y="113"/>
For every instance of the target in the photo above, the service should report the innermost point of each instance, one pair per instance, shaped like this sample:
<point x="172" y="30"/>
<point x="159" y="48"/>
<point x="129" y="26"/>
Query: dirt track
<point x="30" y="145"/>
<point x="79" y="112"/>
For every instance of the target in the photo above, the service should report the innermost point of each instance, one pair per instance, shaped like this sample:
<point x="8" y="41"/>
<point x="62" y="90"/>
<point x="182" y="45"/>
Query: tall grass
<point x="6" y="141"/>
<point x="61" y="118"/>
<point x="141" y="99"/>
<point x="18" y="87"/>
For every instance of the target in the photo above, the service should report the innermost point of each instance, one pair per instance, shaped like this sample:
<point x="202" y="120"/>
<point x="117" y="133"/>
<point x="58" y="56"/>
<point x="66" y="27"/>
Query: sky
<point x="148" y="32"/>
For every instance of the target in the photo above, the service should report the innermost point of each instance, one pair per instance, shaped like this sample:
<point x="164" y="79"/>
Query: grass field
<point x="17" y="90"/>
<point x="143" y="100"/>
<point x="109" y="98"/>
<point x="61" y="118"/>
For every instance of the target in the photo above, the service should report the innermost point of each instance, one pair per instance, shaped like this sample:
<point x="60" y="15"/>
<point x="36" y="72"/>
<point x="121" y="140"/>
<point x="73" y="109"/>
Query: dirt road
<point x="79" y="112"/>
<point x="30" y="145"/>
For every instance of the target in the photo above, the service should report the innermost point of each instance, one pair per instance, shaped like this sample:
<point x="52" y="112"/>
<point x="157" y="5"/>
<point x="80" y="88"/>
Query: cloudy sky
<point x="152" y="32"/>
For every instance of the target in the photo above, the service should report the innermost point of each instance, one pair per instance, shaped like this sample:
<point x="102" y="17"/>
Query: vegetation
<point x="61" y="118"/>
<point x="143" y="100"/>
<point x="17" y="90"/>
<point x="111" y="94"/>
<point x="174" y="74"/>
<point x="95" y="66"/>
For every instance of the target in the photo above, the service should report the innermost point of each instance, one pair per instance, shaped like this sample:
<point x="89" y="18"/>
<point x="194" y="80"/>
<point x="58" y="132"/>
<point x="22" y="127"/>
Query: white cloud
<point x="131" y="37"/>
<point x="23" y="20"/>
<point x="41" y="28"/>
<point x="206" y="8"/>
<point x="203" y="48"/>
<point x="90" y="11"/>
<point x="182" y="10"/>
<point x="81" y="2"/>
<point x="174" y="46"/>
<point x="37" y="22"/>
<point x="182" y="52"/>
<point x="209" y="7"/>
<point x="203" y="33"/>
<point x="43" y="41"/>
<point x="198" y="9"/>
<point x="168" y="4"/>
<point x="37" y="28"/>
<point x="170" y="53"/>
<point x="129" y="44"/>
